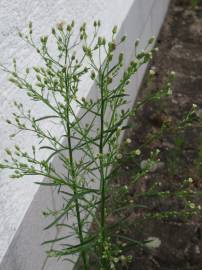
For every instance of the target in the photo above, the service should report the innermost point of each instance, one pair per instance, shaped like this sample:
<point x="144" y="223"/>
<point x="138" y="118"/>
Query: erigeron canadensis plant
<point x="91" y="150"/>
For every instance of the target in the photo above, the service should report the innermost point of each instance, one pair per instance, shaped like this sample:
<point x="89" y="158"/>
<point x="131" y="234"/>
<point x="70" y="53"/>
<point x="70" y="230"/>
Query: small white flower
<point x="194" y="106"/>
<point x="137" y="152"/>
<point x="116" y="259"/>
<point x="128" y="141"/>
<point x="119" y="156"/>
<point x="192" y="205"/>
<point x="157" y="151"/>
<point x="173" y="73"/>
<point x="170" y="92"/>
<point x="154" y="242"/>
<point x="126" y="187"/>
<point x="123" y="258"/>
<point x="152" y="72"/>
<point x="190" y="180"/>
<point x="197" y="249"/>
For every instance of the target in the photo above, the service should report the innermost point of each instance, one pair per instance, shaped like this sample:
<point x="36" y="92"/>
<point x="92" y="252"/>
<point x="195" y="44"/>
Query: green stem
<point x="102" y="178"/>
<point x="72" y="169"/>
<point x="83" y="253"/>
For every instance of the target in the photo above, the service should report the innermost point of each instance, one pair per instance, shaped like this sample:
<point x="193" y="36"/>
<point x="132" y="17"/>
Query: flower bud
<point x="112" y="46"/>
<point x="151" y="40"/>
<point x="60" y="26"/>
<point x="99" y="41"/>
<point x="53" y="31"/>
<point x="137" y="42"/>
<point x="92" y="75"/>
<point x="72" y="23"/>
<point x="120" y="58"/>
<point x="20" y="34"/>
<point x="123" y="38"/>
<point x="110" y="56"/>
<point x="109" y="80"/>
<point x="69" y="27"/>
<point x="114" y="30"/>
<point x="30" y="25"/>
<point x="8" y="152"/>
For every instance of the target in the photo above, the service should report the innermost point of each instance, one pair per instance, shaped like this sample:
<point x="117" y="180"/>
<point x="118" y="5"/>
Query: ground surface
<point x="180" y="49"/>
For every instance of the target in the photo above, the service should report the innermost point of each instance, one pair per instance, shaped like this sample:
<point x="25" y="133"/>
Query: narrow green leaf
<point x="73" y="249"/>
<point x="45" y="117"/>
<point x="57" y="239"/>
<point x="65" y="211"/>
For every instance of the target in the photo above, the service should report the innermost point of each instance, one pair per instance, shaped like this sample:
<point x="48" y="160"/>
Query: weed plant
<point x="88" y="148"/>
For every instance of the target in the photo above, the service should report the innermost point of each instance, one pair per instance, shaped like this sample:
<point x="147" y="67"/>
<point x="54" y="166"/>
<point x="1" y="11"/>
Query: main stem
<point x="102" y="178"/>
<point x="72" y="169"/>
<point x="83" y="253"/>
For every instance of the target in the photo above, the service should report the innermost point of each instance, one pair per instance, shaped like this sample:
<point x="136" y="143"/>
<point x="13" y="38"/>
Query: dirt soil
<point x="180" y="49"/>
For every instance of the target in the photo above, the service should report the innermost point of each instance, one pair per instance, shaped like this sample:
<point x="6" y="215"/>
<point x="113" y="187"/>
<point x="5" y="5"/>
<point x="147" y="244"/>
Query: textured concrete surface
<point x="20" y="234"/>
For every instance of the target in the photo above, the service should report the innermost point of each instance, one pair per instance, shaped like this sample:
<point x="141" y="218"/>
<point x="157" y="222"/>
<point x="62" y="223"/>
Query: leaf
<point x="56" y="240"/>
<point x="65" y="211"/>
<point x="45" y="117"/>
<point x="72" y="250"/>
<point x="47" y="147"/>
<point x="133" y="241"/>
<point x="117" y="96"/>
<point x="46" y="184"/>
<point x="53" y="154"/>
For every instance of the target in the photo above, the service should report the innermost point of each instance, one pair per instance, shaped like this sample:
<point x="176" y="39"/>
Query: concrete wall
<point x="21" y="220"/>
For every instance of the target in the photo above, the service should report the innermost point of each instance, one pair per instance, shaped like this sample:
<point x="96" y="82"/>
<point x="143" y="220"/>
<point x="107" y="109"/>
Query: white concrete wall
<point x="21" y="221"/>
